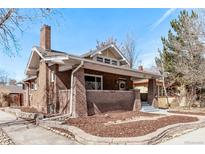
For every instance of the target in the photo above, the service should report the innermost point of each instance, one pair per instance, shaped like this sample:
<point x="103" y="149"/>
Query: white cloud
<point x="163" y="17"/>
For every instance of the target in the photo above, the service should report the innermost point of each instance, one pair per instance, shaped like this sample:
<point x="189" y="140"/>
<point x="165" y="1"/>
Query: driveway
<point x="29" y="134"/>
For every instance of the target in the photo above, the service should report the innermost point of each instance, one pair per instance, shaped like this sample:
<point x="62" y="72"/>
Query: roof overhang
<point x="34" y="54"/>
<point x="72" y="61"/>
<point x="30" y="78"/>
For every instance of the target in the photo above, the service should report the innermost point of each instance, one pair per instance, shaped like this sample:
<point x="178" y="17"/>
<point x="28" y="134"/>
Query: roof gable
<point x="114" y="48"/>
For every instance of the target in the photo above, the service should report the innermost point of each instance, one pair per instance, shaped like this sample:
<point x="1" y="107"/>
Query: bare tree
<point x="108" y="41"/>
<point x="129" y="50"/>
<point x="14" y="20"/>
<point x="3" y="77"/>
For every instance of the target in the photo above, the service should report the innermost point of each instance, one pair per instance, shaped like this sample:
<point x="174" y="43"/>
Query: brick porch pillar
<point x="152" y="90"/>
<point x="137" y="100"/>
<point x="79" y="94"/>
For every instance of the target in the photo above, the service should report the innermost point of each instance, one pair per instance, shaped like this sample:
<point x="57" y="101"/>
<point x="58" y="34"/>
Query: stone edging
<point x="152" y="138"/>
<point x="24" y="115"/>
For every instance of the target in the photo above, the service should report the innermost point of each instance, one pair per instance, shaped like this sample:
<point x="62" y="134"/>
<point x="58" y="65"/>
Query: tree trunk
<point x="183" y="92"/>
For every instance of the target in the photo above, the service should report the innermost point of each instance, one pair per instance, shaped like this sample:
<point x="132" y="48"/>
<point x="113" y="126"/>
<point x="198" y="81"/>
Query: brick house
<point x="95" y="82"/>
<point x="11" y="95"/>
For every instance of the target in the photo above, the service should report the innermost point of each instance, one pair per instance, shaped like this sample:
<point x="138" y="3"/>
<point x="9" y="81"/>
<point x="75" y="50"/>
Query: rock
<point x="4" y="138"/>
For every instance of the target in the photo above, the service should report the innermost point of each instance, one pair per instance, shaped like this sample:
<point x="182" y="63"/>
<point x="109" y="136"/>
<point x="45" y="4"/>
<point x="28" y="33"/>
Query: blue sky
<point x="77" y="31"/>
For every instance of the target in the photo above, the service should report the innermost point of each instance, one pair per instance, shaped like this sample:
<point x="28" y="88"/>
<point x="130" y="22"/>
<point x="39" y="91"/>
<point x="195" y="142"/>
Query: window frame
<point x="53" y="76"/>
<point x="96" y="76"/>
<point x="111" y="59"/>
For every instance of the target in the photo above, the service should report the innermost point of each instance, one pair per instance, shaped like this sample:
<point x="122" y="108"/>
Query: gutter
<point x="71" y="89"/>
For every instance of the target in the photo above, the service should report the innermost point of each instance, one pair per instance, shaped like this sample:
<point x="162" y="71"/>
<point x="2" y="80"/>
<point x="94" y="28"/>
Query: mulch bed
<point x="187" y="112"/>
<point x="95" y="125"/>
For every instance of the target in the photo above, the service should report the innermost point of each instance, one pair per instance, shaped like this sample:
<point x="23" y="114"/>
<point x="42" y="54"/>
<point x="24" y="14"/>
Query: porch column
<point x="56" y="90"/>
<point x="137" y="100"/>
<point x="152" y="90"/>
<point x="79" y="94"/>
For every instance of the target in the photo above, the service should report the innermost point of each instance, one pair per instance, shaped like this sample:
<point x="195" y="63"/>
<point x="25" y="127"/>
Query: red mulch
<point x="95" y="125"/>
<point x="190" y="113"/>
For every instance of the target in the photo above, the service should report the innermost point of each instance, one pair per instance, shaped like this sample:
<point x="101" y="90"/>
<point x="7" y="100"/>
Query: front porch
<point x="86" y="88"/>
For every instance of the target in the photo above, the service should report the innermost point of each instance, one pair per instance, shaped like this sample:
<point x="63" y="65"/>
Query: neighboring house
<point x="142" y="85"/>
<point x="95" y="82"/>
<point x="11" y="95"/>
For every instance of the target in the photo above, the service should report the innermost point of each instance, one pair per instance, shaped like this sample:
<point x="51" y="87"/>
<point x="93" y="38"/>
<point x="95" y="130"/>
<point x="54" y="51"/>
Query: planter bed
<point x="95" y="125"/>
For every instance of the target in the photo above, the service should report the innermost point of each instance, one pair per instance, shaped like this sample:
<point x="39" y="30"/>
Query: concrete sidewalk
<point x="29" y="134"/>
<point x="195" y="137"/>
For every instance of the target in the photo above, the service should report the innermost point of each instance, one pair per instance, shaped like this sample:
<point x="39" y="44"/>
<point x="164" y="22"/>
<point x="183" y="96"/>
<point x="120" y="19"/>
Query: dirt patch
<point x="30" y="110"/>
<point x="95" y="124"/>
<point x="187" y="112"/>
<point x="113" y="116"/>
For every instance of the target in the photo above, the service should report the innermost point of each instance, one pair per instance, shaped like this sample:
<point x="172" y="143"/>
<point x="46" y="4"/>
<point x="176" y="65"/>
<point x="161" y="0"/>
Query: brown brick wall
<point x="39" y="96"/>
<point x="152" y="90"/>
<point x="64" y="99"/>
<point x="110" y="80"/>
<point x="79" y="101"/>
<point x="111" y="100"/>
<point x="45" y="37"/>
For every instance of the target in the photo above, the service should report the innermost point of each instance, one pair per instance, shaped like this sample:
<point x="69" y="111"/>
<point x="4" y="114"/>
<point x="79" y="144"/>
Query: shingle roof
<point x="51" y="53"/>
<point x="12" y="88"/>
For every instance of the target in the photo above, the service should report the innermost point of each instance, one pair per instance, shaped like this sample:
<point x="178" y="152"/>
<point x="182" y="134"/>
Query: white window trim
<point x="111" y="59"/>
<point x="52" y="76"/>
<point x="99" y="76"/>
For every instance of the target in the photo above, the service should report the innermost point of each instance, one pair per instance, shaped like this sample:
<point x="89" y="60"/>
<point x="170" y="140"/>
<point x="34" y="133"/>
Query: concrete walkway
<point x="195" y="137"/>
<point x="29" y="134"/>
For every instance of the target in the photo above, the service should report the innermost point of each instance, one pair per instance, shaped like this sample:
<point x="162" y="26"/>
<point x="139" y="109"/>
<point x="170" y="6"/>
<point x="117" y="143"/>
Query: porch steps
<point x="146" y="107"/>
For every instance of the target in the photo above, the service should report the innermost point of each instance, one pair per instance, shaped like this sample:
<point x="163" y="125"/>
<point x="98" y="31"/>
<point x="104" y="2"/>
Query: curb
<point x="151" y="138"/>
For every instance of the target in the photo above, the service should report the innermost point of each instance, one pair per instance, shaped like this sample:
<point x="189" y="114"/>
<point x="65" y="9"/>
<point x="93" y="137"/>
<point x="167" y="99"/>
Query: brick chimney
<point x="45" y="37"/>
<point x="140" y="68"/>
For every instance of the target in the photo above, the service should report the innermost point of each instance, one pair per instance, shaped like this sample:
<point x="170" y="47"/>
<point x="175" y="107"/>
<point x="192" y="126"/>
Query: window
<point x="33" y="86"/>
<point x="114" y="62"/>
<point x="93" y="82"/>
<point x="100" y="59"/>
<point x="52" y="76"/>
<point x="107" y="61"/>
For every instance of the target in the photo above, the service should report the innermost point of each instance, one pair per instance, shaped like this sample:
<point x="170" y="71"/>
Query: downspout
<point x="71" y="89"/>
